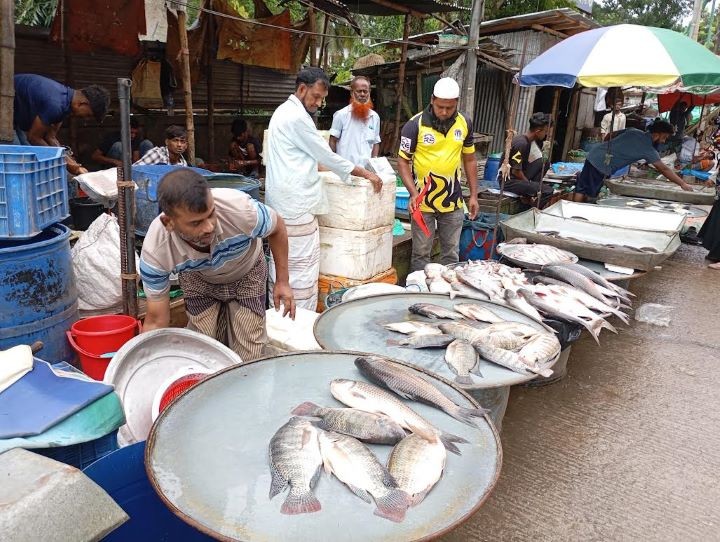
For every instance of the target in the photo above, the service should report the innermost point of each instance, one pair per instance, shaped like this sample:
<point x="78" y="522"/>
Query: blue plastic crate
<point x="83" y="454"/>
<point x="402" y="198"/>
<point x="33" y="190"/>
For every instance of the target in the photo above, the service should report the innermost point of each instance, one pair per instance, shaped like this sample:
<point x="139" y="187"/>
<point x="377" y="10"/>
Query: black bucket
<point x="84" y="211"/>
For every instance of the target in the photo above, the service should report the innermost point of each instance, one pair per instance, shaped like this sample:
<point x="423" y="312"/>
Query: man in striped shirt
<point x="212" y="239"/>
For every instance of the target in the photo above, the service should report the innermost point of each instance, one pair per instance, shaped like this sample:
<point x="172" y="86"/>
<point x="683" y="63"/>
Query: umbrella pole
<point x="551" y="139"/>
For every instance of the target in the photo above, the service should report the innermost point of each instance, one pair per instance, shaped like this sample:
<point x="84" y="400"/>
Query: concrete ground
<point x="627" y="446"/>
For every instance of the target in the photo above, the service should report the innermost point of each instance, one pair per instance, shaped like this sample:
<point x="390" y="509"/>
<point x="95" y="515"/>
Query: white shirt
<point x="294" y="148"/>
<point x="618" y="125"/>
<point x="355" y="137"/>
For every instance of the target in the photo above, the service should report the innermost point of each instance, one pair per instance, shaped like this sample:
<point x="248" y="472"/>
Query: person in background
<point x="212" y="238"/>
<point x="293" y="186"/>
<point x="622" y="149"/>
<point x="109" y="152"/>
<point x="434" y="144"/>
<point x="355" y="131"/>
<point x="694" y="156"/>
<point x="172" y="153"/>
<point x="41" y="105"/>
<point x="245" y="149"/>
<point x="617" y="125"/>
<point x="527" y="166"/>
<point x="679" y="116"/>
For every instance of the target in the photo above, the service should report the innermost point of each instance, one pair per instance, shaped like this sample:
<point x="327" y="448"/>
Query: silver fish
<point x="295" y="461"/>
<point x="462" y="358"/>
<point x="580" y="282"/>
<point x="449" y="275"/>
<point x="473" y="311"/>
<point x="462" y="331"/>
<point x="406" y="383"/>
<point x="412" y="327"/>
<point x="589" y="301"/>
<point x="434" y="270"/>
<point x="598" y="279"/>
<point x="434" y="311"/>
<point x="365" y="426"/>
<point x="370" y="398"/>
<point x="417" y="465"/>
<point x="487" y="287"/>
<point x="541" y="349"/>
<point x="521" y="304"/>
<point x="440" y="286"/>
<point x="508" y="359"/>
<point x="508" y="339"/>
<point x="426" y="341"/>
<point x="358" y="468"/>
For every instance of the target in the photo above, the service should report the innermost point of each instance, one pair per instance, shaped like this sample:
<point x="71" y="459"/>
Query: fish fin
<point x="419" y="497"/>
<point x="428" y="433"/>
<point x="364" y="495"/>
<point x="392" y="342"/>
<point x="316" y="477"/>
<point x="543" y="372"/>
<point x="307" y="408"/>
<point x="453" y="293"/>
<point x="300" y="502"/>
<point x="470" y="416"/>
<point x="607" y="325"/>
<point x="393" y="505"/>
<point x="476" y="370"/>
<point x="278" y="482"/>
<point x="464" y="380"/>
<point x="449" y="441"/>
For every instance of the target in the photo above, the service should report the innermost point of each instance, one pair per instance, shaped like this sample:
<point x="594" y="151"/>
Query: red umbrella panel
<point x="667" y="101"/>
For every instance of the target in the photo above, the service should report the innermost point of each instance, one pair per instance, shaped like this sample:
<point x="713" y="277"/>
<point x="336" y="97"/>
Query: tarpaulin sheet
<point x="255" y="45"/>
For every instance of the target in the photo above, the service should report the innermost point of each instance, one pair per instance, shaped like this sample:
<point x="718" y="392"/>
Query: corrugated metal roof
<point x="368" y="7"/>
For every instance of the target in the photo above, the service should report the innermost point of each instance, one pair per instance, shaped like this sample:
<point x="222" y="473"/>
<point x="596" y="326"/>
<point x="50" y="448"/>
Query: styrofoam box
<point x="291" y="335"/>
<point x="357" y="255"/>
<point x="355" y="206"/>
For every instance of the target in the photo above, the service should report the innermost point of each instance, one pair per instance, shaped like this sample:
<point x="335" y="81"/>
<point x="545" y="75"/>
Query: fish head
<point x="343" y="390"/>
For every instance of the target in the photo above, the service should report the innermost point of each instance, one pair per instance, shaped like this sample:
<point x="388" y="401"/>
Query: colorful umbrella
<point x="626" y="55"/>
<point x="667" y="101"/>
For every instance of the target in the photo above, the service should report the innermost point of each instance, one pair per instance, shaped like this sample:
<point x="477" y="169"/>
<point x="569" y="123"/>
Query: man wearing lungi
<point x="293" y="186"/>
<point x="212" y="239"/>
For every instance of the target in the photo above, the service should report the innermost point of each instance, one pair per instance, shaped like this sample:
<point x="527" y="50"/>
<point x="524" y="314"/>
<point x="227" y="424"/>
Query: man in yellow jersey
<point x="433" y="146"/>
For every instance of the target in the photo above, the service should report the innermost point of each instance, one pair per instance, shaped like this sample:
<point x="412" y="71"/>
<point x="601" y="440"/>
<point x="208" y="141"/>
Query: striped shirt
<point x="159" y="155"/>
<point x="241" y="224"/>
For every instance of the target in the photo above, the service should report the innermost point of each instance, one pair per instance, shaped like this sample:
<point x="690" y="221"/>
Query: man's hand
<point x="375" y="180"/>
<point x="413" y="202"/>
<point x="473" y="207"/>
<point x="709" y="183"/>
<point x="686" y="187"/>
<point x="282" y="294"/>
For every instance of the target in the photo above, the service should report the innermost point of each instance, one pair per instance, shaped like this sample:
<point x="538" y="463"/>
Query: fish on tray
<point x="510" y="360"/>
<point x="434" y="311"/>
<point x="406" y="383"/>
<point x="295" y="461"/>
<point x="364" y="426"/>
<point x="357" y="467"/>
<point x="413" y="328"/>
<point x="426" y="341"/>
<point x="417" y="465"/>
<point x="477" y="312"/>
<point x="462" y="358"/>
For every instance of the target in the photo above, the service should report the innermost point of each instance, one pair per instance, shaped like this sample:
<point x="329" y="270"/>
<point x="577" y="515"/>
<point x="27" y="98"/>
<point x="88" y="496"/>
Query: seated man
<point x="213" y="240"/>
<point x="109" y="152"/>
<point x="527" y="166"/>
<point x="244" y="150"/>
<point x="172" y="153"/>
<point x="694" y="156"/>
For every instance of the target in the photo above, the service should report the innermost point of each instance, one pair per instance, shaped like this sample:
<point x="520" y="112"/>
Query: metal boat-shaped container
<point x="664" y="190"/>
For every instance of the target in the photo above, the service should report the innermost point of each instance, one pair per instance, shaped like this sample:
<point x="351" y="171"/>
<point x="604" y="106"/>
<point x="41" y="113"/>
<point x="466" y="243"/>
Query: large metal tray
<point x="665" y="190"/>
<point x="207" y="457"/>
<point x="358" y="325"/>
<point x="656" y="205"/>
<point x="598" y="242"/>
<point x="625" y="217"/>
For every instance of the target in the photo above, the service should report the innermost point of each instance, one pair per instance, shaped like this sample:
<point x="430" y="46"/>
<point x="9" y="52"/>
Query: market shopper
<point x="109" y="152"/>
<point x="527" y="167"/>
<point x="245" y="149"/>
<point x="617" y="124"/>
<point x="355" y="131"/>
<point x="293" y="186"/>
<point x="434" y="144"/>
<point x="622" y="149"/>
<point x="212" y="239"/>
<point x="41" y="105"/>
<point x="172" y="153"/>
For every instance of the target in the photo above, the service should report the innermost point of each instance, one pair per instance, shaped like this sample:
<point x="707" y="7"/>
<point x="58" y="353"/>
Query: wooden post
<point x="322" y="60"/>
<point x="551" y="139"/>
<point x="187" y="89"/>
<point x="571" y="130"/>
<point x="401" y="81"/>
<point x="7" y="68"/>
<point x="313" y="37"/>
<point x="468" y="97"/>
<point x="210" y="81"/>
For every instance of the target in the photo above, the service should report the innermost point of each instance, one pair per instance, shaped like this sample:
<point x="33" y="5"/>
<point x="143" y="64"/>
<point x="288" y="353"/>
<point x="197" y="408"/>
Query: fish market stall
<point x="662" y="190"/>
<point x="246" y="456"/>
<point x="694" y="216"/>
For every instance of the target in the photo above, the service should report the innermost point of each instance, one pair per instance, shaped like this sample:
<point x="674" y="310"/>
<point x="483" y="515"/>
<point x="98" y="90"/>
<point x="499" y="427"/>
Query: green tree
<point x="35" y="12"/>
<point x="660" y="13"/>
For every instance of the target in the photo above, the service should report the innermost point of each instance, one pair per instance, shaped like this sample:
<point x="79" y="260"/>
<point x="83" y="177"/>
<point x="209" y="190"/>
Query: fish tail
<point x="470" y="416"/>
<point x="449" y="441"/>
<point x="607" y="325"/>
<point x="419" y="497"/>
<point x="300" y="502"/>
<point x="393" y="505"/>
<point x="543" y="372"/>
<point x="307" y="408"/>
<point x="464" y="380"/>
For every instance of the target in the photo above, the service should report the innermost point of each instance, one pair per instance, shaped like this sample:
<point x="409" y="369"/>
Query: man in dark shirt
<point x="109" y="152"/>
<point x="41" y="105"/>
<point x="527" y="166"/>
<point x="245" y="149"/>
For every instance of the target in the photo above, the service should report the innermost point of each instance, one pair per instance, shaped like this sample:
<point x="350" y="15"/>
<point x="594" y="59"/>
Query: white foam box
<point x="355" y="206"/>
<point x="289" y="335"/>
<point x="356" y="255"/>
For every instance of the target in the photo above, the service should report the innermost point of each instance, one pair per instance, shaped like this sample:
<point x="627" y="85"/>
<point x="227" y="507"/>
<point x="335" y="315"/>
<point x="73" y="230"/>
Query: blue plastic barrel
<point x="491" y="167"/>
<point x="122" y="475"/>
<point x="239" y="182"/>
<point x="38" y="298"/>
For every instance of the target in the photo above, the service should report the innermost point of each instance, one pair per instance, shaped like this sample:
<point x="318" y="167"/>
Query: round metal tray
<point x="358" y="325"/>
<point x="207" y="457"/>
<point x="506" y="249"/>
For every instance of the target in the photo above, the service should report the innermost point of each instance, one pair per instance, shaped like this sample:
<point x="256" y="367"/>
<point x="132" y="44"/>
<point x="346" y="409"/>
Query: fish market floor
<point x="627" y="446"/>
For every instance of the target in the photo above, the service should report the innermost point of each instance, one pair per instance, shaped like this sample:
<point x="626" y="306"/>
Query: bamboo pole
<point x="401" y="81"/>
<point x="478" y="9"/>
<point x="187" y="88"/>
<point x="322" y="60"/>
<point x="7" y="68"/>
<point x="313" y="37"/>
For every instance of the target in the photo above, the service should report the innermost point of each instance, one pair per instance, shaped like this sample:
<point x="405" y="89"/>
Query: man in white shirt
<point x="355" y="131"/>
<point x="293" y="186"/>
<point x="617" y="125"/>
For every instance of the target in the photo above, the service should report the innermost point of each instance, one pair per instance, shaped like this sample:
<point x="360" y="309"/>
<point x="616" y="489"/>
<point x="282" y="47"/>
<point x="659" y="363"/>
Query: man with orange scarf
<point x="355" y="131"/>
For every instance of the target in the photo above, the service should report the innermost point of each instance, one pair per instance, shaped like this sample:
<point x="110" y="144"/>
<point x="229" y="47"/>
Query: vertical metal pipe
<point x="126" y="205"/>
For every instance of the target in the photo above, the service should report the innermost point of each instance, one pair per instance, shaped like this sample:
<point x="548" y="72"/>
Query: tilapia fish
<point x="426" y="341"/>
<point x="295" y="461"/>
<point x="539" y="350"/>
<point x="434" y="270"/>
<point x="509" y="360"/>
<point x="365" y="426"/>
<point x="440" y="286"/>
<point x="462" y="331"/>
<point x="473" y="311"/>
<point x="358" y="468"/>
<point x="434" y="311"/>
<point x="462" y="358"/>
<point x="413" y="328"/>
<point x="516" y="301"/>
<point x="409" y="385"/>
<point x="370" y="398"/>
<point x="417" y="466"/>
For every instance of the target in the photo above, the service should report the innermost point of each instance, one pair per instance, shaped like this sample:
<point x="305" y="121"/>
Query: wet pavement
<point x="627" y="446"/>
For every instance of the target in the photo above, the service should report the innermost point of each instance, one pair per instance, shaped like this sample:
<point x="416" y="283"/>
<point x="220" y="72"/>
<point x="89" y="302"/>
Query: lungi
<point x="303" y="261"/>
<point x="232" y="313"/>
